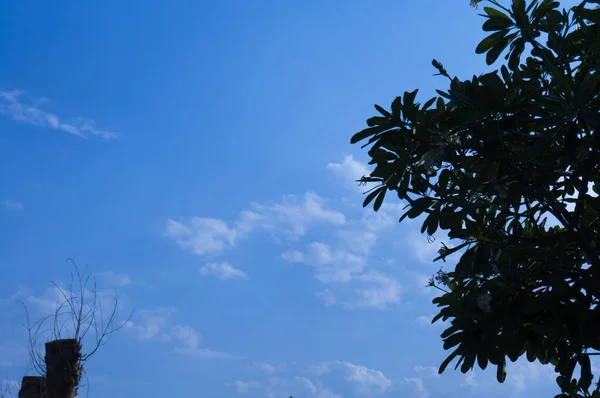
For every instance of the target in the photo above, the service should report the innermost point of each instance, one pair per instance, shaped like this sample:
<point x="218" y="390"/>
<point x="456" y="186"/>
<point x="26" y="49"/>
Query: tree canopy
<point x="507" y="165"/>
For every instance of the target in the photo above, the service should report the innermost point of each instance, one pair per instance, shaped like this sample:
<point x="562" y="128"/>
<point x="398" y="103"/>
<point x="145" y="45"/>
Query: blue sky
<point x="197" y="158"/>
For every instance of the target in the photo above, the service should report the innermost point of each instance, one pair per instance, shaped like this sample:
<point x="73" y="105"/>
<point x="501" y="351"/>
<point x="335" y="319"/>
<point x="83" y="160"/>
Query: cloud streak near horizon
<point x="17" y="106"/>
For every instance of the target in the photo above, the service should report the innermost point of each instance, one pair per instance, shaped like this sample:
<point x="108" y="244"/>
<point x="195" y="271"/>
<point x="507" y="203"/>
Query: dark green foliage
<point x="489" y="161"/>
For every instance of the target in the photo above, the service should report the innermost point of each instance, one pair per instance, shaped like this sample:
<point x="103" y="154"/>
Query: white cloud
<point x="205" y="353"/>
<point x="360" y="240"/>
<point x="322" y="368"/>
<point x="328" y="297"/>
<point x="152" y="324"/>
<point x="222" y="270"/>
<point x="307" y="384"/>
<point x="431" y="370"/>
<point x="115" y="279"/>
<point x="186" y="336"/>
<point x="334" y="266"/>
<point x="293" y="256"/>
<point x="56" y="309"/>
<point x="292" y="216"/>
<point x="425" y="251"/>
<point x="349" y="171"/>
<point x="327" y="393"/>
<point x="13" y="205"/>
<point x="47" y="303"/>
<point x="244" y="387"/>
<point x="155" y="325"/>
<point x="469" y="380"/>
<point x="267" y="367"/>
<point x="425" y="321"/>
<point x="377" y="291"/>
<point x="201" y="235"/>
<point x="315" y="389"/>
<point x="17" y="106"/>
<point x="342" y="264"/>
<point x="522" y="377"/>
<point x="330" y="266"/>
<point x="418" y="386"/>
<point x="365" y="378"/>
<point x="522" y="374"/>
<point x="344" y="270"/>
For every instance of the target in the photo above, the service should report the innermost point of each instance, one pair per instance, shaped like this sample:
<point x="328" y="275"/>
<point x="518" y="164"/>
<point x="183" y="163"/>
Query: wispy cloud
<point x="418" y="386"/>
<point x="155" y="325"/>
<point x="425" y="321"/>
<point x="522" y="377"/>
<point x="524" y="373"/>
<point x="292" y="217"/>
<point x="222" y="270"/>
<point x="309" y="381"/>
<point x="267" y="367"/>
<point x="152" y="324"/>
<point x="320" y="369"/>
<point x="376" y="290"/>
<point x="114" y="278"/>
<point x="431" y="370"/>
<point x="186" y="336"/>
<point x="331" y="266"/>
<point x="283" y="386"/>
<point x="19" y="107"/>
<point x="355" y="287"/>
<point x="244" y="387"/>
<point x="349" y="171"/>
<point x="366" y="379"/>
<point x="201" y="235"/>
<point x="346" y="266"/>
<point x="343" y="261"/>
<point x="205" y="353"/>
<point x="13" y="205"/>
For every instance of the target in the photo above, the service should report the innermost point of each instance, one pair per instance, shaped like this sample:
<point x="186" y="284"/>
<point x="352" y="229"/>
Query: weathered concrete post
<point x="63" y="368"/>
<point x="33" y="387"/>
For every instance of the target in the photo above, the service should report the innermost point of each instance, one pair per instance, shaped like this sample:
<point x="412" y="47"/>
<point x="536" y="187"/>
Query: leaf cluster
<point x="502" y="162"/>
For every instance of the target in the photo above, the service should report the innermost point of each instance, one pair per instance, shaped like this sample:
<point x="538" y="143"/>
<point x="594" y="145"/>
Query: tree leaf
<point x="453" y="340"/>
<point x="468" y="363"/>
<point x="585" y="380"/>
<point x="379" y="199"/>
<point x="367" y="133"/>
<point x="397" y="108"/>
<point x="372" y="196"/>
<point x="482" y="361"/>
<point x="501" y="371"/>
<point x="447" y="361"/>
<point x="440" y="105"/>
<point x="429" y="103"/>
<point x="490" y="41"/>
<point x="383" y="111"/>
<point x="493" y="54"/>
<point x="497" y="23"/>
<point x="492" y="12"/>
<point x="515" y="55"/>
<point x="449" y="331"/>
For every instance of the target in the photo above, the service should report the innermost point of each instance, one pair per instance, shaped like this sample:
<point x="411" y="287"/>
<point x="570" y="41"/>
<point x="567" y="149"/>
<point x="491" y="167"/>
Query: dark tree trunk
<point x="63" y="368"/>
<point x="33" y="387"/>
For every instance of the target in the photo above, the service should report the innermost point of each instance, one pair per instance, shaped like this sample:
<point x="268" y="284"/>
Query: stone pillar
<point x="63" y="368"/>
<point x="33" y="387"/>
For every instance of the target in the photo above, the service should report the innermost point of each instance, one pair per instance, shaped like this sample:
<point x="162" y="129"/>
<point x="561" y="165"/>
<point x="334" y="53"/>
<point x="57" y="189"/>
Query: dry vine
<point x="79" y="314"/>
